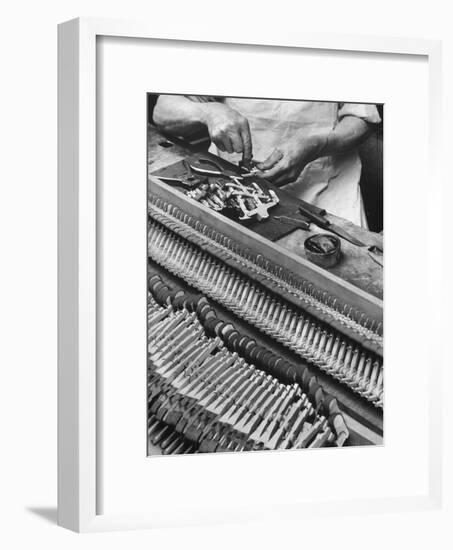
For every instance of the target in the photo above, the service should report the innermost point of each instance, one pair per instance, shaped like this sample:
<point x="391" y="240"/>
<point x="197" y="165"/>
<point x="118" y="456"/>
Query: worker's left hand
<point x="286" y="162"/>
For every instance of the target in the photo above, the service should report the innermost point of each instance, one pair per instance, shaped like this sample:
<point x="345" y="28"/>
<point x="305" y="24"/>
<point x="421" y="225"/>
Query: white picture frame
<point x="77" y="218"/>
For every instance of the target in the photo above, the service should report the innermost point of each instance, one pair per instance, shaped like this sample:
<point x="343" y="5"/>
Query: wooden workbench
<point x="355" y="266"/>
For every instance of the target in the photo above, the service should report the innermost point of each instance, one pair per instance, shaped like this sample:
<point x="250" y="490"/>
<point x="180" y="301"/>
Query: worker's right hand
<point x="228" y="129"/>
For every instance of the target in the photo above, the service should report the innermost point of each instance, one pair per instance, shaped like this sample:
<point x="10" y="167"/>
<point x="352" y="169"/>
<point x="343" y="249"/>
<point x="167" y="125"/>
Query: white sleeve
<point x="366" y="111"/>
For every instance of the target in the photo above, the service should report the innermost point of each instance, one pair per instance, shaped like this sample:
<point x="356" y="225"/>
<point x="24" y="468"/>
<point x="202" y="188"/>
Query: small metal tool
<point x="247" y="164"/>
<point x="249" y="168"/>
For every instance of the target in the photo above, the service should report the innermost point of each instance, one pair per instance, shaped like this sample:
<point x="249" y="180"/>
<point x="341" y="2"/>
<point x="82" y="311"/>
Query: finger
<point x="276" y="171"/>
<point x="223" y="143"/>
<point x="271" y="160"/>
<point x="219" y="144"/>
<point x="228" y="145"/>
<point x="246" y="142"/>
<point x="236" y="142"/>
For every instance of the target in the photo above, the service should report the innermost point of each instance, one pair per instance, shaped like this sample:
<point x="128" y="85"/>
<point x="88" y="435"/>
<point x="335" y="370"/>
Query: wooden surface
<point x="355" y="266"/>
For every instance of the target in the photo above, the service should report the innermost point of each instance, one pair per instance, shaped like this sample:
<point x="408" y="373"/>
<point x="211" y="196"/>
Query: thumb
<point x="271" y="160"/>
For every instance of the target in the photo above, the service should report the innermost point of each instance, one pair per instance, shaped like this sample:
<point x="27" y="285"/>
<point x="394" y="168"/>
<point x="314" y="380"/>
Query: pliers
<point x="188" y="180"/>
<point x="216" y="170"/>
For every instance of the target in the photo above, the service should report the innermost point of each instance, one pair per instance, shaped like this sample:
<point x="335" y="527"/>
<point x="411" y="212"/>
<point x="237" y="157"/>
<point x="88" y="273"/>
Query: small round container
<point x="323" y="249"/>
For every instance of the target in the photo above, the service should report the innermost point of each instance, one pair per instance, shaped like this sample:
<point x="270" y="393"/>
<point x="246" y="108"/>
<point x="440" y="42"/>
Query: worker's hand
<point x="285" y="163"/>
<point x="228" y="129"/>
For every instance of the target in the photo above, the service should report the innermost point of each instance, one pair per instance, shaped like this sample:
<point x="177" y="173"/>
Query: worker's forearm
<point x="179" y="115"/>
<point x="227" y="128"/>
<point x="350" y="132"/>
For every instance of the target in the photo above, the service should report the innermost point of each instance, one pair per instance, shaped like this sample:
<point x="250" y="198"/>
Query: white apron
<point x="329" y="182"/>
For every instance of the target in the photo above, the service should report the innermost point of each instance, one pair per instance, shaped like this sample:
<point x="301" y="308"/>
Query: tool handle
<point x="312" y="207"/>
<point x="314" y="214"/>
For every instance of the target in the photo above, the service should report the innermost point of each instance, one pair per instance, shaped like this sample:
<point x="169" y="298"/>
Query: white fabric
<point x="329" y="182"/>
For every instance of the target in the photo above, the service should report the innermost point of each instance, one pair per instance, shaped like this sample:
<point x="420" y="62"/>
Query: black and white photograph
<point x="206" y="208"/>
<point x="265" y="262"/>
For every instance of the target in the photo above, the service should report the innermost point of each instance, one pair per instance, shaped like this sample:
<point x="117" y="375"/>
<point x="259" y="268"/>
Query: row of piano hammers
<point x="211" y="389"/>
<point x="340" y="357"/>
